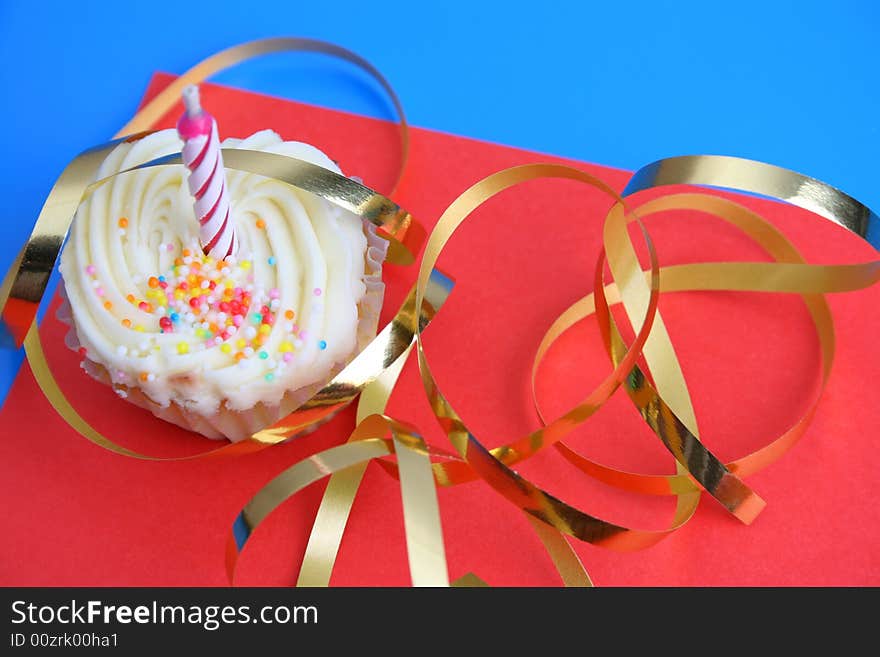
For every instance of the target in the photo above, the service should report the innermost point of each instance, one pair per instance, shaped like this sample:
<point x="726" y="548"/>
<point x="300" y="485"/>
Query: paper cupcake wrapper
<point x="239" y="424"/>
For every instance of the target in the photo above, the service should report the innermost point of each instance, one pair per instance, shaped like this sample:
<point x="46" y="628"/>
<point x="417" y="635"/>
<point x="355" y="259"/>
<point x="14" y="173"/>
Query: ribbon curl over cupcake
<point x="658" y="390"/>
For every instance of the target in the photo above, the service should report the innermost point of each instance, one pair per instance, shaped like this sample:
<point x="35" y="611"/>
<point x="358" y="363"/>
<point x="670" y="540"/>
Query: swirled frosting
<point x="276" y="318"/>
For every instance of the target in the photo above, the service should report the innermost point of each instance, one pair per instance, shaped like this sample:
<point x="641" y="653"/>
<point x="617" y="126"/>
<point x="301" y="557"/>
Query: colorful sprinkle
<point x="269" y="377"/>
<point x="322" y="345"/>
<point x="90" y="270"/>
<point x="212" y="304"/>
<point x="260" y="224"/>
<point x="317" y="291"/>
<point x="108" y="305"/>
<point x="123" y="222"/>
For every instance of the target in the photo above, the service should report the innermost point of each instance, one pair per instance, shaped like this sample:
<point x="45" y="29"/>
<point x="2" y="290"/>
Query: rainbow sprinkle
<point x="209" y="303"/>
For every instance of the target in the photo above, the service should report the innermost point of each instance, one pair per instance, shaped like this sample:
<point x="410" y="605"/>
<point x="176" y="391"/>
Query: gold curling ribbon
<point x="660" y="393"/>
<point x="671" y="417"/>
<point x="793" y="277"/>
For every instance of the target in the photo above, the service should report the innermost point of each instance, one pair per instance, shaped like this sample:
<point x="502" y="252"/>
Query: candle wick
<point x="191" y="101"/>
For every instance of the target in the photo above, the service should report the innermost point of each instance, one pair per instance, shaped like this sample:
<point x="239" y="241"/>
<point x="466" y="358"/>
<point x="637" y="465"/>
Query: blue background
<point x="795" y="84"/>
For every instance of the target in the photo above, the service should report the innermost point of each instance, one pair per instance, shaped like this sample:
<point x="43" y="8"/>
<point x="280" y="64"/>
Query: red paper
<point x="78" y="515"/>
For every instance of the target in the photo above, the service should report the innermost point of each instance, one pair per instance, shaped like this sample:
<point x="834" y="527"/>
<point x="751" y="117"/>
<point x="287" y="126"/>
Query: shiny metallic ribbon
<point x="660" y="393"/>
<point x="664" y="404"/>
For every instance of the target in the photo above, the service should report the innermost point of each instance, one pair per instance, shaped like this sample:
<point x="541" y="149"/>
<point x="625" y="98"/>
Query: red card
<point x="78" y="515"/>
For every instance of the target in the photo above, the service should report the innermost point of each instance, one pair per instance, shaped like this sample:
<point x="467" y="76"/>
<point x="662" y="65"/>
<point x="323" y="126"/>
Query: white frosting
<point x="313" y="244"/>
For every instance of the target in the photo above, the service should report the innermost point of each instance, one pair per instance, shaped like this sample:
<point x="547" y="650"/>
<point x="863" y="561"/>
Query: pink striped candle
<point x="207" y="178"/>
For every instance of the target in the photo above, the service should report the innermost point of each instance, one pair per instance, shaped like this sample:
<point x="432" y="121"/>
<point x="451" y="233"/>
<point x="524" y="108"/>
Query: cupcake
<point x="222" y="347"/>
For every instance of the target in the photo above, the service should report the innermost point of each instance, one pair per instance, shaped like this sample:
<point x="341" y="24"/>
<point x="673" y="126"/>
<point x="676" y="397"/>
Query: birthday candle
<point x="207" y="177"/>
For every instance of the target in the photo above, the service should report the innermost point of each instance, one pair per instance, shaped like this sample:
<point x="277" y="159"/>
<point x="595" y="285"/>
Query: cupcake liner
<point x="237" y="425"/>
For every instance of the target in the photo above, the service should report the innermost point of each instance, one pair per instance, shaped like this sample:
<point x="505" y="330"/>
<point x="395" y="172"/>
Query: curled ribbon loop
<point x="791" y="275"/>
<point x="494" y="468"/>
